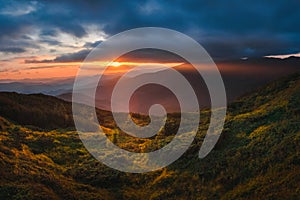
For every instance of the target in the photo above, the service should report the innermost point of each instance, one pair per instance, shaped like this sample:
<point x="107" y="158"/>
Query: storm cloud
<point x="227" y="29"/>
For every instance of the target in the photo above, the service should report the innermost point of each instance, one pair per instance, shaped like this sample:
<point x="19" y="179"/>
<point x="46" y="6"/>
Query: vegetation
<point x="257" y="157"/>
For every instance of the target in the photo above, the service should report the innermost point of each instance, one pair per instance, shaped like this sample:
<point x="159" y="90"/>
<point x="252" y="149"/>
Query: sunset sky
<point x="48" y="39"/>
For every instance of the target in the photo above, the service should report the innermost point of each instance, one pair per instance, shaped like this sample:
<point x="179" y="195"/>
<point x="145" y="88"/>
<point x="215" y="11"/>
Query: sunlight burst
<point x="115" y="64"/>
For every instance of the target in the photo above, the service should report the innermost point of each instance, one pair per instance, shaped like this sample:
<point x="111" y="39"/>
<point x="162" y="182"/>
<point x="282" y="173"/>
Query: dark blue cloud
<point x="51" y="42"/>
<point x="12" y="50"/>
<point x="70" y="57"/>
<point x="12" y="27"/>
<point x="92" y="44"/>
<point x="227" y="29"/>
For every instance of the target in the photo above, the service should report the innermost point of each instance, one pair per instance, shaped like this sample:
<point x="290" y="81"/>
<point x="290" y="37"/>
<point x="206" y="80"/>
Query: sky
<point x="44" y="39"/>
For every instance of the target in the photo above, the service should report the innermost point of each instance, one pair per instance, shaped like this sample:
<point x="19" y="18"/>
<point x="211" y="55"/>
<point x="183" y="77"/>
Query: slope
<point x="257" y="157"/>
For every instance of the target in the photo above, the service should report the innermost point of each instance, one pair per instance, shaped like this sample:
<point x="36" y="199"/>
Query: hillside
<point x="257" y="157"/>
<point x="28" y="172"/>
<point x="39" y="111"/>
<point x="36" y="109"/>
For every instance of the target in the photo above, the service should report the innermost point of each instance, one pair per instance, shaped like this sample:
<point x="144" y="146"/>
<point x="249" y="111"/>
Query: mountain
<point x="39" y="111"/>
<point x="37" y="87"/>
<point x="257" y="156"/>
<point x="53" y="86"/>
<point x="239" y="77"/>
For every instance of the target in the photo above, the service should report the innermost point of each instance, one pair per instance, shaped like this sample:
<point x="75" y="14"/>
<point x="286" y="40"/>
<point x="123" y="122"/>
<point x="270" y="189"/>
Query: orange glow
<point x="170" y="64"/>
<point x="115" y="64"/>
<point x="18" y="68"/>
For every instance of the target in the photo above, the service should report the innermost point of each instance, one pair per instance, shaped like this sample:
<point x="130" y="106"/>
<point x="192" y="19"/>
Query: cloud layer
<point x="228" y="30"/>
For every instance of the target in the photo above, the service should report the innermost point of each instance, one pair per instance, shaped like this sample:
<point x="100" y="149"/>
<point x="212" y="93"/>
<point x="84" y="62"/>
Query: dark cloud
<point x="70" y="57"/>
<point x="73" y="57"/>
<point x="25" y="37"/>
<point x="45" y="67"/>
<point x="151" y="55"/>
<point x="12" y="50"/>
<point x="92" y="44"/>
<point x="12" y="27"/>
<point x="226" y="29"/>
<point x="48" y="32"/>
<point x="51" y="42"/>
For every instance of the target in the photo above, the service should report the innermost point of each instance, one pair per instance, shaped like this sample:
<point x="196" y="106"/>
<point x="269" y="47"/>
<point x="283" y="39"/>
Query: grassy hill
<point x="38" y="110"/>
<point x="257" y="157"/>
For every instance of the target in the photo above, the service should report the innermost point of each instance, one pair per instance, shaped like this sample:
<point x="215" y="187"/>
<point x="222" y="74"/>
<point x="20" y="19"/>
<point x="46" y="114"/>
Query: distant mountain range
<point x="240" y="77"/>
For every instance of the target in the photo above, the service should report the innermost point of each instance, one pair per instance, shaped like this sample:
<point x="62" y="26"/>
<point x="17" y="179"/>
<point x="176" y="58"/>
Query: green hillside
<point x="257" y="157"/>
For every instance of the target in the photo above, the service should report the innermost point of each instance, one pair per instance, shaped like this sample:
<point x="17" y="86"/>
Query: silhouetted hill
<point x="43" y="111"/>
<point x="37" y="110"/>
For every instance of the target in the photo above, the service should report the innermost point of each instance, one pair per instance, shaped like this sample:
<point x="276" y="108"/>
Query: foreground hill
<point x="28" y="172"/>
<point x="257" y="157"/>
<point x="36" y="109"/>
<point x="40" y="111"/>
